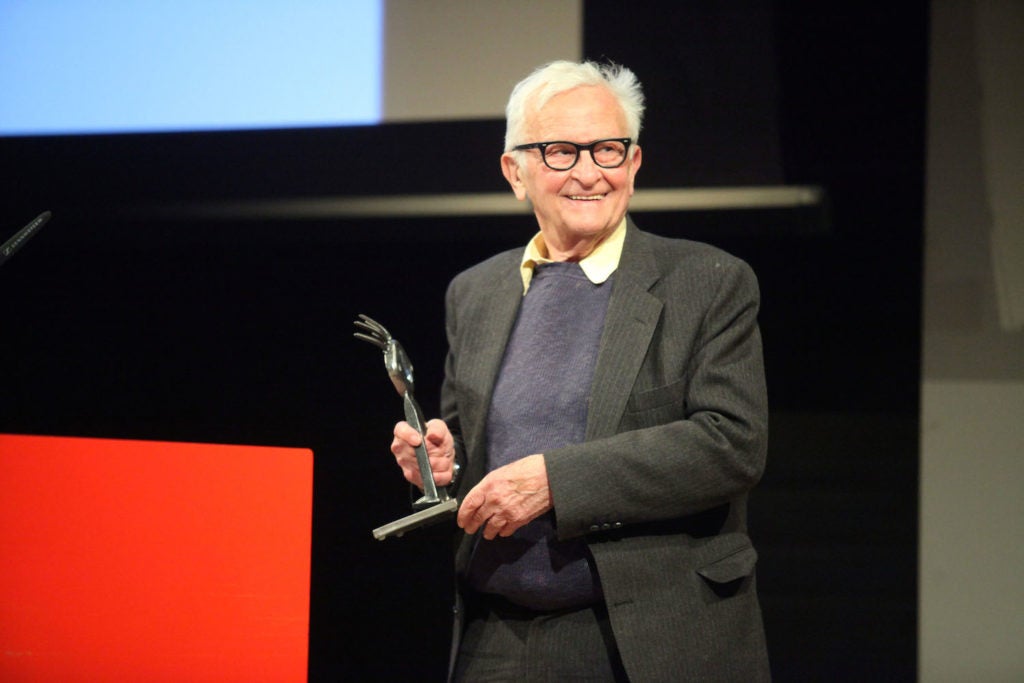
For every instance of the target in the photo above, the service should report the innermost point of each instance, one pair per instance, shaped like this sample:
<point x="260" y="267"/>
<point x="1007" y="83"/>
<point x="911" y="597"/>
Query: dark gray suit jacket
<point x="676" y="438"/>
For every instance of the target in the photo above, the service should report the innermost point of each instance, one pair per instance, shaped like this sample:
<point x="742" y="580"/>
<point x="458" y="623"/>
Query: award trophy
<point x="435" y="504"/>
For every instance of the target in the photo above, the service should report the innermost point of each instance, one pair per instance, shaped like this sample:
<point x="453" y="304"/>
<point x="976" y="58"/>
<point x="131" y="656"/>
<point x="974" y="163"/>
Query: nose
<point x="586" y="170"/>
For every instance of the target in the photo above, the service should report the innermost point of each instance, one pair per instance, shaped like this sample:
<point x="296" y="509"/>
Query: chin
<point x="591" y="229"/>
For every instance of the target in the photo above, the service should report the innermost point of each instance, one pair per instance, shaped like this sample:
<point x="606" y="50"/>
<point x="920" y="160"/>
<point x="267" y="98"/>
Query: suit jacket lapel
<point x="494" y="315"/>
<point x="630" y="322"/>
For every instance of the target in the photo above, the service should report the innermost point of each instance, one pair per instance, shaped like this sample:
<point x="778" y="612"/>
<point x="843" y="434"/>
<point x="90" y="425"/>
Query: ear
<point x="634" y="166"/>
<point x="513" y="174"/>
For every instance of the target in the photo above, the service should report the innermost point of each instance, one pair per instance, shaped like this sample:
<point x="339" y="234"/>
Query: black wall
<point x="122" y="320"/>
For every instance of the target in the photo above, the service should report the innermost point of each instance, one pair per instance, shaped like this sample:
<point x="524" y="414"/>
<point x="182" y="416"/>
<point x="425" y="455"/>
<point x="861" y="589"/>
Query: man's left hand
<point x="507" y="498"/>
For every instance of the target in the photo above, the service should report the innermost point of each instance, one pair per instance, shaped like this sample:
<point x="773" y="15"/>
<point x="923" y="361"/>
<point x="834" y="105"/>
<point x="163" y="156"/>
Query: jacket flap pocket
<point x="657" y="397"/>
<point x="736" y="565"/>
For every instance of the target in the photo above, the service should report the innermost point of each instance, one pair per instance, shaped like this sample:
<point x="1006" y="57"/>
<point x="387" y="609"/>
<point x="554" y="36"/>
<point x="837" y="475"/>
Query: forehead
<point x="580" y="115"/>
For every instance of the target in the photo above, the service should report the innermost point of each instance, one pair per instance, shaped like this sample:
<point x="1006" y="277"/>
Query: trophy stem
<point x="414" y="416"/>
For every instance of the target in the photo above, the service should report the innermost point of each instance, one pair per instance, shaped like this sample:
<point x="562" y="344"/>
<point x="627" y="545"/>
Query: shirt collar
<point x="598" y="266"/>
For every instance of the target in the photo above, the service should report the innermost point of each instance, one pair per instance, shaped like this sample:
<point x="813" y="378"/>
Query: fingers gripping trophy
<point x="435" y="504"/>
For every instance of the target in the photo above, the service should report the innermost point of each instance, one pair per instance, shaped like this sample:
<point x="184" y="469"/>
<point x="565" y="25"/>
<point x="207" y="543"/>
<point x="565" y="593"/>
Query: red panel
<point x="131" y="561"/>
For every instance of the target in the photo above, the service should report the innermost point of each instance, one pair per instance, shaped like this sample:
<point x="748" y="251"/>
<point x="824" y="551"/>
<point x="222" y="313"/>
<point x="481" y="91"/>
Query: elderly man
<point x="603" y="420"/>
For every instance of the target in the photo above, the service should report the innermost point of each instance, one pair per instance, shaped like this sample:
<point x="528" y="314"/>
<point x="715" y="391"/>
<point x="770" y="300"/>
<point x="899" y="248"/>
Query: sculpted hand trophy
<point x="435" y="504"/>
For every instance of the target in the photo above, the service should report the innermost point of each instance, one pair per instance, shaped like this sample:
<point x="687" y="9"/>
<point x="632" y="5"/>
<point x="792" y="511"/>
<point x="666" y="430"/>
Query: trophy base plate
<point x="431" y="515"/>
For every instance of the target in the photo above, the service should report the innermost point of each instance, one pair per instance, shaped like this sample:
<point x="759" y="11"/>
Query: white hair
<point x="534" y="91"/>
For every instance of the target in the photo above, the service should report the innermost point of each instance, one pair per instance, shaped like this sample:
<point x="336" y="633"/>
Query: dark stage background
<point x="120" y="320"/>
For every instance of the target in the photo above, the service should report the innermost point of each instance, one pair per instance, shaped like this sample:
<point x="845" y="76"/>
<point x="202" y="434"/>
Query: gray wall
<point x="972" y="408"/>
<point x="427" y="43"/>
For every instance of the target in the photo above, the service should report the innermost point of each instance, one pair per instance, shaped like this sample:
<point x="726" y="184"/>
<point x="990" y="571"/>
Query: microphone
<point x="15" y="243"/>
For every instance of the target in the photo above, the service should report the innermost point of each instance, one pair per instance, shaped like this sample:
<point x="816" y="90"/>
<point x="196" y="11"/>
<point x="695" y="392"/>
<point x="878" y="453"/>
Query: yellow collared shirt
<point x="598" y="266"/>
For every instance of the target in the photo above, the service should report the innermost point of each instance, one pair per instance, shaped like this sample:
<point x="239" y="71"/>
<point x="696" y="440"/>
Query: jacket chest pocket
<point x="656" y="406"/>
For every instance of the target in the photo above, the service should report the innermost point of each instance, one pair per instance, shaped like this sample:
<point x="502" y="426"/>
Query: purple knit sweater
<point x="540" y="403"/>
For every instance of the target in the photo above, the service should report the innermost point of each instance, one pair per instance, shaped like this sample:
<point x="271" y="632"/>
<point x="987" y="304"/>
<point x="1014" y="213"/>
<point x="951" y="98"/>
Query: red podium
<point x="152" y="561"/>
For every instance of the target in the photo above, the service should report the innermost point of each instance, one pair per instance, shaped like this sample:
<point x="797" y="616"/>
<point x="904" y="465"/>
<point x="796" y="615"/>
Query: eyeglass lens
<point x="561" y="156"/>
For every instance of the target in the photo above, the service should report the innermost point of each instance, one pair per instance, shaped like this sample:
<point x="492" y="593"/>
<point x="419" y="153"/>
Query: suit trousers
<point x="505" y="642"/>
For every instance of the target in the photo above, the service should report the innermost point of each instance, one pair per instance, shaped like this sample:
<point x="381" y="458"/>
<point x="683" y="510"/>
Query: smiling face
<point x="578" y="208"/>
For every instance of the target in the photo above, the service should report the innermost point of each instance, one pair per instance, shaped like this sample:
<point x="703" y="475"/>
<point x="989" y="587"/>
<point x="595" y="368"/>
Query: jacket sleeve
<point x="449" y="404"/>
<point x="694" y="431"/>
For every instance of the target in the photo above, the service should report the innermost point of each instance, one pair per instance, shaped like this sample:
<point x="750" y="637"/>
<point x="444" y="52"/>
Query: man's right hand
<point x="440" y="450"/>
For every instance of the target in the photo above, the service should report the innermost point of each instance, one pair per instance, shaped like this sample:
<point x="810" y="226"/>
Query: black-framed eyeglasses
<point x="561" y="155"/>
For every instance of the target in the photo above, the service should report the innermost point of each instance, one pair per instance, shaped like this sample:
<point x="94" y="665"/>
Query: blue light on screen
<point x="102" y="66"/>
